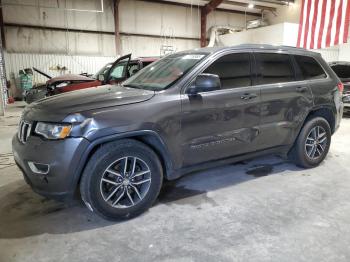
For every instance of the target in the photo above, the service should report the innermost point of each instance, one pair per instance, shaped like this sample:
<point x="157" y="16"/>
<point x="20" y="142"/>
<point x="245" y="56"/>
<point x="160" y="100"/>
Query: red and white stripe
<point x="323" y="23"/>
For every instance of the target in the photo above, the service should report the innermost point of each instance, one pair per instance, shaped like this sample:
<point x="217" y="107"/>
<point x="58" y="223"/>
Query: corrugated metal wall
<point x="74" y="64"/>
<point x="329" y="54"/>
<point x="135" y="17"/>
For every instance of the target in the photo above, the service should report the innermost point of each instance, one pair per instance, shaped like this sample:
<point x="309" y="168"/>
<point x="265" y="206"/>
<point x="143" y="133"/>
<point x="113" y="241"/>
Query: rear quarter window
<point x="342" y="71"/>
<point x="310" y="69"/>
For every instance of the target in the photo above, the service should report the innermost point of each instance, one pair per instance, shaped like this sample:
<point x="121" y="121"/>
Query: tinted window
<point x="309" y="67"/>
<point x="144" y="64"/>
<point x="342" y="71"/>
<point x="233" y="70"/>
<point x="274" y="68"/>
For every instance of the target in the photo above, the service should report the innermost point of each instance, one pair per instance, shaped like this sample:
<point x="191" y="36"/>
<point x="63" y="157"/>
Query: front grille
<point x="24" y="130"/>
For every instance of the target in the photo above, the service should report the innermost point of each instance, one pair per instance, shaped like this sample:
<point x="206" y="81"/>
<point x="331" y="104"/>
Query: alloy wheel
<point x="125" y="182"/>
<point x="316" y="142"/>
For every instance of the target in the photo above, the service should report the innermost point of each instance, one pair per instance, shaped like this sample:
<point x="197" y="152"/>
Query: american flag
<point x="323" y="23"/>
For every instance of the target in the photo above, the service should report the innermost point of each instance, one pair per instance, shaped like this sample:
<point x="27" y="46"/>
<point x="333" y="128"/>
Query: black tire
<point x="299" y="154"/>
<point x="91" y="185"/>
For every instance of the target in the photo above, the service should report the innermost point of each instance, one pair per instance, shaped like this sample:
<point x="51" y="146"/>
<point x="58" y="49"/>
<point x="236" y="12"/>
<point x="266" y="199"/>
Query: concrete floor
<point x="261" y="210"/>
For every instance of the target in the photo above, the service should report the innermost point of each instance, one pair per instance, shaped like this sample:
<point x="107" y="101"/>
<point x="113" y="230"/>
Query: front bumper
<point x="346" y="102"/>
<point x="346" y="107"/>
<point x="62" y="156"/>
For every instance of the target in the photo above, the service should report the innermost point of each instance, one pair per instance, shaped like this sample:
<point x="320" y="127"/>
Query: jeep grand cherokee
<point x="188" y="111"/>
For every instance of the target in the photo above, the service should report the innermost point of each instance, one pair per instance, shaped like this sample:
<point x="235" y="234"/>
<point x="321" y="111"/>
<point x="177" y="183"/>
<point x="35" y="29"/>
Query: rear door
<point x="222" y="123"/>
<point x="285" y="98"/>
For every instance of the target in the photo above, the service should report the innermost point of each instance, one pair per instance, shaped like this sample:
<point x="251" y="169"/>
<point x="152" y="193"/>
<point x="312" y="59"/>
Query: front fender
<point x="149" y="137"/>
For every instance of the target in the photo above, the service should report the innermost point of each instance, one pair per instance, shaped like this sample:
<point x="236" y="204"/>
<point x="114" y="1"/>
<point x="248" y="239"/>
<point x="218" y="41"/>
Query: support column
<point x="2" y="102"/>
<point x="2" y="48"/>
<point x="205" y="10"/>
<point x="203" y="28"/>
<point x="2" y="29"/>
<point x="116" y="27"/>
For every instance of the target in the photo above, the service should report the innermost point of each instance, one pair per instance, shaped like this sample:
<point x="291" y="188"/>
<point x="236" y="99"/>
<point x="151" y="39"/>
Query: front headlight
<point x="53" y="131"/>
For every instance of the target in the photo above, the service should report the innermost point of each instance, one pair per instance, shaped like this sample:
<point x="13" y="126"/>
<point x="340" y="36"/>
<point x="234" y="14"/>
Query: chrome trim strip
<point x="24" y="131"/>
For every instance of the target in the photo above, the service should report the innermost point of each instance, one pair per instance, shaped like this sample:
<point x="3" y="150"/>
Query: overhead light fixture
<point x="288" y="2"/>
<point x="251" y="6"/>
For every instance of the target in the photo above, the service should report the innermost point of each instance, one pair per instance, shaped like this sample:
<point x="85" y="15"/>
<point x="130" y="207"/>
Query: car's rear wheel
<point x="121" y="180"/>
<point x="312" y="144"/>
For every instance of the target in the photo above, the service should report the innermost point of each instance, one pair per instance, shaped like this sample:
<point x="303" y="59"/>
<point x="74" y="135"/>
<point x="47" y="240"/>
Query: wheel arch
<point x="148" y="137"/>
<point x="322" y="111"/>
<point x="325" y="112"/>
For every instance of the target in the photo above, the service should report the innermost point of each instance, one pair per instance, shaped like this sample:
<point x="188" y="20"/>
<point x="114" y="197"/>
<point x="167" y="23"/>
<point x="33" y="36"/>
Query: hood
<point x="56" y="108"/>
<point x="70" y="77"/>
<point x="42" y="73"/>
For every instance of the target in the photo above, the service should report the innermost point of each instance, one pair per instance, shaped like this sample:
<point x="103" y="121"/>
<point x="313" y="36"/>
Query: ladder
<point x="3" y="81"/>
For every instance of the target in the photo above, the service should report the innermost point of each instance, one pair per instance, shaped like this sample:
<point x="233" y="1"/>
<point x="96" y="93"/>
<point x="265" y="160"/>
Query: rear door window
<point x="274" y="68"/>
<point x="310" y="69"/>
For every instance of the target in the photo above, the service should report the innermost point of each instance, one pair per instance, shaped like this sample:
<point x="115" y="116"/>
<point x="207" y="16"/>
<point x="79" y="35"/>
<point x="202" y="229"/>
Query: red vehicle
<point x="111" y="73"/>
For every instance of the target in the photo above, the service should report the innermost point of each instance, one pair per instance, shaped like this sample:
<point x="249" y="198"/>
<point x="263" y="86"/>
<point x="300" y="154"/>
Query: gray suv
<point x="188" y="111"/>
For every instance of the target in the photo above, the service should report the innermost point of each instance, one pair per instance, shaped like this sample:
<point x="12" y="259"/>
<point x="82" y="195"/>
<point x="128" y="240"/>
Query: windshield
<point x="102" y="71"/>
<point x="161" y="74"/>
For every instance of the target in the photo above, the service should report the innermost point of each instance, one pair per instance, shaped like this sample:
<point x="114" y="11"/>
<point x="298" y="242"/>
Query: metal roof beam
<point x="219" y="9"/>
<point x="205" y="10"/>
<point x="240" y="4"/>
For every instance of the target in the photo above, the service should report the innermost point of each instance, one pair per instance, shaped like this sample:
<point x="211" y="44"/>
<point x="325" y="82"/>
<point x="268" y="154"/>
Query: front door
<point x="222" y="123"/>
<point x="118" y="71"/>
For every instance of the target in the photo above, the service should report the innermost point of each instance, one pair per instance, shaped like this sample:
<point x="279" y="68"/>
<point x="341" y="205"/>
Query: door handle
<point x="301" y="89"/>
<point x="248" y="96"/>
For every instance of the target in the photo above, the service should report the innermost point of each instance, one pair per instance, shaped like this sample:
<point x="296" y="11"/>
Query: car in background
<point x="111" y="73"/>
<point x="342" y="70"/>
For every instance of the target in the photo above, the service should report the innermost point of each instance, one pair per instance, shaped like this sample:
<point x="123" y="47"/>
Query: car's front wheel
<point x="312" y="144"/>
<point x="121" y="180"/>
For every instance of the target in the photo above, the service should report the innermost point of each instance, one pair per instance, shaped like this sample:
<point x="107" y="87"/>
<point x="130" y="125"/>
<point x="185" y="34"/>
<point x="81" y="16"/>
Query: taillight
<point x="340" y="87"/>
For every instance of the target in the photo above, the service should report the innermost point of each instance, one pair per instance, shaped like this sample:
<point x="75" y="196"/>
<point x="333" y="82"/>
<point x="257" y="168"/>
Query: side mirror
<point x="205" y="83"/>
<point x="101" y="77"/>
